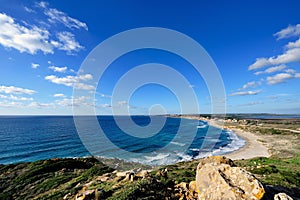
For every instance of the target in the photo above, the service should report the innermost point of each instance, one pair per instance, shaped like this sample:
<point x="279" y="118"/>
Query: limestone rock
<point x="129" y="177"/>
<point x="121" y="174"/>
<point x="217" y="179"/>
<point x="192" y="187"/>
<point x="105" y="177"/>
<point x="282" y="196"/>
<point x="67" y="196"/>
<point x="186" y="191"/>
<point x="86" y="195"/>
<point x="142" y="174"/>
<point x="163" y="173"/>
<point x="215" y="160"/>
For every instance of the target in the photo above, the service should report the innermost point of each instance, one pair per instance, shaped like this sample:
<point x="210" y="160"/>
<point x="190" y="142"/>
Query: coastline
<point x="253" y="147"/>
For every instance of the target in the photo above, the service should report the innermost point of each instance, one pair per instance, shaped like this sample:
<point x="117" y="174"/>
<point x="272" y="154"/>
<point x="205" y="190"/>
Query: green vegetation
<point x="58" y="178"/>
<point x="53" y="179"/>
<point x="274" y="171"/>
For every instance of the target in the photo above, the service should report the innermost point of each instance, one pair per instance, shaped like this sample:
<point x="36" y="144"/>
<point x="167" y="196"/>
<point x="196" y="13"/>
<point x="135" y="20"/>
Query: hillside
<point x="68" y="178"/>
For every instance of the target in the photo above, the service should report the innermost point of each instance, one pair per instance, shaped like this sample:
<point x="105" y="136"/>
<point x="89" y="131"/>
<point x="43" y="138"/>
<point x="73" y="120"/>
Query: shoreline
<point x="253" y="147"/>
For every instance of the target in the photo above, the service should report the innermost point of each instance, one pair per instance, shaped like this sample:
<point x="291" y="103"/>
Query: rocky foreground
<point x="209" y="178"/>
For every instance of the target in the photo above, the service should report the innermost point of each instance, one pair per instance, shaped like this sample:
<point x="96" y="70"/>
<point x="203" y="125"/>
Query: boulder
<point x="215" y="160"/>
<point x="282" y="196"/>
<point x="216" y="178"/>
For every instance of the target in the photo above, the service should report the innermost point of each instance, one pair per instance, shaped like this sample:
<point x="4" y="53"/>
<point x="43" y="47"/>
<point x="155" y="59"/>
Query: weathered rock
<point x="89" y="184"/>
<point x="142" y="174"/>
<point x="86" y="195"/>
<point x="67" y="196"/>
<point x="216" y="179"/>
<point x="282" y="196"/>
<point x="215" y="160"/>
<point x="121" y="174"/>
<point x="163" y="173"/>
<point x="129" y="177"/>
<point x="184" y="192"/>
<point x="182" y="185"/>
<point x="104" y="177"/>
<point x="192" y="187"/>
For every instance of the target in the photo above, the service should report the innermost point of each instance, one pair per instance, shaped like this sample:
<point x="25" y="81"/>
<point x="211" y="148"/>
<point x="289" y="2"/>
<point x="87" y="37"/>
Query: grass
<point x="47" y="180"/>
<point x="275" y="171"/>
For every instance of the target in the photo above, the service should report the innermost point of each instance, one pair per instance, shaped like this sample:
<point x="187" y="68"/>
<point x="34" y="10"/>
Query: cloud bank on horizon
<point x="42" y="47"/>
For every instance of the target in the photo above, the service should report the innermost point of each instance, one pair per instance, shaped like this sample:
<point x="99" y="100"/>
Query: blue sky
<point x="255" y="45"/>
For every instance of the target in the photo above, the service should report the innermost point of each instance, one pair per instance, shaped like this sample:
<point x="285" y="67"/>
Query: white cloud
<point x="104" y="95"/>
<point x="41" y="105"/>
<point x="250" y="84"/>
<point x="15" y="90"/>
<point x="34" y="65"/>
<point x="30" y="40"/>
<point x="291" y="55"/>
<point x="42" y="4"/>
<point x="11" y="104"/>
<point x="281" y="78"/>
<point x="243" y="93"/>
<point x="78" y="101"/>
<point x="61" y="17"/>
<point x="58" y="69"/>
<point x="290" y="31"/>
<point x="15" y="98"/>
<point x="295" y="44"/>
<point x="259" y="63"/>
<point x="28" y="9"/>
<point x="59" y="95"/>
<point x="290" y="71"/>
<point x="67" y="42"/>
<point x="72" y="81"/>
<point x="271" y="70"/>
<point x="106" y="105"/>
<point x="83" y="86"/>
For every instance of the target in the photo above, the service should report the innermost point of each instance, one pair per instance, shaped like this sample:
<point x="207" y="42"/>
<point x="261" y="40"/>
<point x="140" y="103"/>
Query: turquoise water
<point x="30" y="138"/>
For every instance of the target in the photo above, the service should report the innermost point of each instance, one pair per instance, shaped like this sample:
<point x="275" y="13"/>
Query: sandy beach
<point x="252" y="148"/>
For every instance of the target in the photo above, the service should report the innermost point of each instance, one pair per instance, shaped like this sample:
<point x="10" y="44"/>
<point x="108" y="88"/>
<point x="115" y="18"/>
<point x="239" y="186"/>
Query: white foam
<point x="156" y="157"/>
<point x="201" y="126"/>
<point x="178" y="143"/>
<point x="236" y="144"/>
<point x="165" y="158"/>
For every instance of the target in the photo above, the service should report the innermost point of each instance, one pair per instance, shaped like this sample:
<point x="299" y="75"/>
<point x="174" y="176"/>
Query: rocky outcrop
<point x="86" y="195"/>
<point x="282" y="196"/>
<point x="217" y="178"/>
<point x="186" y="191"/>
<point x="85" y="178"/>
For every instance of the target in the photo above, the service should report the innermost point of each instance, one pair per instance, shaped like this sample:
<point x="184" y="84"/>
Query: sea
<point x="32" y="138"/>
